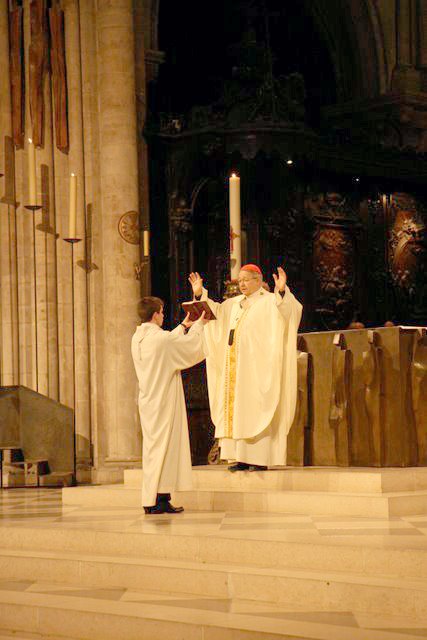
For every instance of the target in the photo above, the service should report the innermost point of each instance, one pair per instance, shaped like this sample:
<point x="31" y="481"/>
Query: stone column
<point x="26" y="250"/>
<point x="405" y="77"/>
<point x="118" y="171"/>
<point x="9" y="362"/>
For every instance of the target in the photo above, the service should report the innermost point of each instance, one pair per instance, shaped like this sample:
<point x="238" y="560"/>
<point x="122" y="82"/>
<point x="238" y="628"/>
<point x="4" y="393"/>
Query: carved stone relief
<point x="129" y="227"/>
<point x="340" y="402"/>
<point x="299" y="437"/>
<point x="419" y="393"/>
<point x="373" y="378"/>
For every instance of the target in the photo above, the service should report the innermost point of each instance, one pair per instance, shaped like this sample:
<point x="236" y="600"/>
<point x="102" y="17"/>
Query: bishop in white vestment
<point x="159" y="357"/>
<point x="252" y="369"/>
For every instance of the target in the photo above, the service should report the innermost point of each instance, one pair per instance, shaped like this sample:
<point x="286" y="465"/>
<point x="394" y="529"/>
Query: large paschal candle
<point x="235" y="227"/>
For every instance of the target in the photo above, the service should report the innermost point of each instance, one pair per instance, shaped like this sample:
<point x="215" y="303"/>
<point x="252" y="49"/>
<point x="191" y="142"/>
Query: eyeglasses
<point x="240" y="280"/>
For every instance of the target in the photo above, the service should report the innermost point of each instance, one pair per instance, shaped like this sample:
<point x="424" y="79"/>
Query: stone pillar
<point x="118" y="171"/>
<point x="9" y="361"/>
<point x="28" y="325"/>
<point x="405" y="77"/>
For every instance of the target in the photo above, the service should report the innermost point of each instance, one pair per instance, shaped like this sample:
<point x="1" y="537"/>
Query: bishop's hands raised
<point x="280" y="279"/>
<point x="196" y="282"/>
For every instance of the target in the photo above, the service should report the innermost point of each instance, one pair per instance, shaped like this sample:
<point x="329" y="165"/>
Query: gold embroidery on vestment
<point x="230" y="378"/>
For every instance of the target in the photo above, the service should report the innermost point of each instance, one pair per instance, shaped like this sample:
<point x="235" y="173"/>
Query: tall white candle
<point x="32" y="182"/>
<point x="73" y="206"/>
<point x="146" y="238"/>
<point x="235" y="227"/>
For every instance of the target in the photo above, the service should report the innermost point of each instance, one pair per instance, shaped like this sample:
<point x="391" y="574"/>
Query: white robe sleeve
<point x="288" y="306"/>
<point x="186" y="350"/>
<point x="216" y="307"/>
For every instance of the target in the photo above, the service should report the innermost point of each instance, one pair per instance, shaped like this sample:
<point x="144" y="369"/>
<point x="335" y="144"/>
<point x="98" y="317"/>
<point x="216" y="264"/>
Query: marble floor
<point x="41" y="507"/>
<point x="34" y="509"/>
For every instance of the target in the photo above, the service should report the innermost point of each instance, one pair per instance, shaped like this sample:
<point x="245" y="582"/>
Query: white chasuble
<point x="159" y="356"/>
<point x="252" y="374"/>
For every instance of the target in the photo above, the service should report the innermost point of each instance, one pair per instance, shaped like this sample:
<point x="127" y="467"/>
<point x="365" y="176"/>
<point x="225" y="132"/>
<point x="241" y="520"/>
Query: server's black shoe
<point x="238" y="466"/>
<point x="155" y="509"/>
<point x="257" y="467"/>
<point x="169" y="508"/>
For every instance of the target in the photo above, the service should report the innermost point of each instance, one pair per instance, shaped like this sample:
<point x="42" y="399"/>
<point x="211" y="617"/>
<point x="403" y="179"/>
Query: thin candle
<point x="146" y="240"/>
<point x="32" y="181"/>
<point x="73" y="206"/>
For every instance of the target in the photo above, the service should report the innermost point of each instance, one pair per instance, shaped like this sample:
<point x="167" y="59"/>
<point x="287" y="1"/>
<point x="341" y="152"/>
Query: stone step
<point x="48" y="609"/>
<point x="322" y="590"/>
<point x="263" y="500"/>
<point x="328" y="479"/>
<point x="358" y="554"/>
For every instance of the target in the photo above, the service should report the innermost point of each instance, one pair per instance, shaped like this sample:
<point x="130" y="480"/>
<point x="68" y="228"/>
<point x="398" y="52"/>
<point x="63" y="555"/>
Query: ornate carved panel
<point x="334" y="259"/>
<point x="407" y="257"/>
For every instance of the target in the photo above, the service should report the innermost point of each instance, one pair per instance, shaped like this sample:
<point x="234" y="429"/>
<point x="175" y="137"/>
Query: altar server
<point x="159" y="356"/>
<point x="252" y="368"/>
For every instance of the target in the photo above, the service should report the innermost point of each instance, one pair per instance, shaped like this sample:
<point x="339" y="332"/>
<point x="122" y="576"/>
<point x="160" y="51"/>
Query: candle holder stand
<point x="72" y="242"/>
<point x="33" y="208"/>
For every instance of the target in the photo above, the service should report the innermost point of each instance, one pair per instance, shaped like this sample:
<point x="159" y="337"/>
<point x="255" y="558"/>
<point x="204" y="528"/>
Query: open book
<point x="196" y="307"/>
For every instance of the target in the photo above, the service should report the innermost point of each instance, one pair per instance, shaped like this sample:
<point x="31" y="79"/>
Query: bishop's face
<point x="248" y="282"/>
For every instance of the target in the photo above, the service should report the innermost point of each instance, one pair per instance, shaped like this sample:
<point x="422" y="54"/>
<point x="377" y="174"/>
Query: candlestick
<point x="72" y="242"/>
<point x="32" y="181"/>
<point x="73" y="207"/>
<point x="235" y="227"/>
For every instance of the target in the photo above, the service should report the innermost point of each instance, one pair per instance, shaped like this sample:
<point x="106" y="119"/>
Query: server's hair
<point x="149" y="305"/>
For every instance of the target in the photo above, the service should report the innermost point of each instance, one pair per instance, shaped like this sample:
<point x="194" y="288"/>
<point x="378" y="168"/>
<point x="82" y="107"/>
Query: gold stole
<point x="230" y="377"/>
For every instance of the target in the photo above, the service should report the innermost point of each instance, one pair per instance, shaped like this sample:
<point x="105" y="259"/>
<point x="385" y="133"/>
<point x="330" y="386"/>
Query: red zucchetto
<point x="251" y="267"/>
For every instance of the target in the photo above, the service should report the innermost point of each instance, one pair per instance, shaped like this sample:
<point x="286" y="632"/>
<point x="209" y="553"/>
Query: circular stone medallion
<point x="129" y="227"/>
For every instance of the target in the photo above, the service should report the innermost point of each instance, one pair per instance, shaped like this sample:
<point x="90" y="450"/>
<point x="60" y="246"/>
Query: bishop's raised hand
<point x="196" y="283"/>
<point x="280" y="279"/>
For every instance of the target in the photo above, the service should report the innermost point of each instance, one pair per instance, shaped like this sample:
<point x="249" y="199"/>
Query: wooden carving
<point x="59" y="77"/>
<point x="38" y="52"/>
<point x="16" y="74"/>
<point x="408" y="257"/>
<point x="334" y="259"/>
<point x="419" y="394"/>
<point x="373" y="378"/>
<point x="340" y="402"/>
